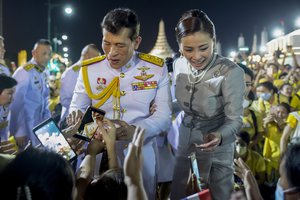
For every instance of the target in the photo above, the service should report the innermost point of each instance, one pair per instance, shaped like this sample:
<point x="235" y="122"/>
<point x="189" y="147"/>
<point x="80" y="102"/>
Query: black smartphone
<point x="88" y="124"/>
<point x="52" y="138"/>
<point x="194" y="167"/>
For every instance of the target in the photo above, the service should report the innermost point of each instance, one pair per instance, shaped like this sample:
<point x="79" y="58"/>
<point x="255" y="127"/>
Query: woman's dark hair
<point x="120" y="18"/>
<point x="194" y="21"/>
<point x="247" y="70"/>
<point x="269" y="85"/>
<point x="44" y="174"/>
<point x="244" y="136"/>
<point x="6" y="82"/>
<point x="110" y="185"/>
<point x="286" y="106"/>
<point x="292" y="165"/>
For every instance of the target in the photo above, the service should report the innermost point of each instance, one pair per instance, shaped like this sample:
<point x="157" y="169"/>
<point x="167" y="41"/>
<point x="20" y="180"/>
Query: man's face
<point x="248" y="84"/>
<point x="2" y="49"/>
<point x="42" y="54"/>
<point x="6" y="97"/>
<point x="119" y="48"/>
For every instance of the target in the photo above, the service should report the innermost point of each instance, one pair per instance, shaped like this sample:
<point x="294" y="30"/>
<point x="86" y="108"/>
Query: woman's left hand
<point x="212" y="140"/>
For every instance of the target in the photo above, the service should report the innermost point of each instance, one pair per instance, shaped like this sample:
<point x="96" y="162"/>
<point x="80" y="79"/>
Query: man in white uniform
<point x="69" y="79"/>
<point x="123" y="82"/>
<point x="30" y="106"/>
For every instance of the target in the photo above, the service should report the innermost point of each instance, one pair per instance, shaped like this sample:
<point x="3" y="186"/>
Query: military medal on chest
<point x="101" y="83"/>
<point x="144" y="76"/>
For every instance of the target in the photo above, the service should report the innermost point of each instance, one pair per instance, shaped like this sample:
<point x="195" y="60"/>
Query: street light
<point x="297" y="22"/>
<point x="65" y="49"/>
<point x="278" y="32"/>
<point x="64" y="37"/>
<point x="68" y="10"/>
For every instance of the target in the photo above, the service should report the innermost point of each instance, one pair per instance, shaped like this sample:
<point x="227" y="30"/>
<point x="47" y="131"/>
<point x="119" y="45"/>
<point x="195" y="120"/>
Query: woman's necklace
<point x="198" y="76"/>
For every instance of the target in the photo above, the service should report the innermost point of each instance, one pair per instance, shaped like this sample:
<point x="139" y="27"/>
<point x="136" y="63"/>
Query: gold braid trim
<point x="112" y="89"/>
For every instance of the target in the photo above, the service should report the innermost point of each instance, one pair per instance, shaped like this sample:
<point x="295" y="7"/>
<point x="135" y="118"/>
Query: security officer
<point x="123" y="82"/>
<point x="32" y="94"/>
<point x="69" y="78"/>
<point x="3" y="68"/>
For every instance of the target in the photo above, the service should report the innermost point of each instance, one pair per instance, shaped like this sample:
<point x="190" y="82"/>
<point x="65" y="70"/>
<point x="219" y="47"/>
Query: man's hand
<point x="77" y="145"/>
<point x="212" y="140"/>
<point x="109" y="135"/>
<point x="133" y="162"/>
<point x="125" y="131"/>
<point x="74" y="117"/>
<point x="95" y="147"/>
<point x="7" y="147"/>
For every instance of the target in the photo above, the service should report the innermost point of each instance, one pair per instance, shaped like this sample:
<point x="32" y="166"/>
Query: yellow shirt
<point x="248" y="124"/>
<point x="271" y="150"/>
<point x="292" y="121"/>
<point x="255" y="162"/>
<point x="53" y="102"/>
<point x="295" y="103"/>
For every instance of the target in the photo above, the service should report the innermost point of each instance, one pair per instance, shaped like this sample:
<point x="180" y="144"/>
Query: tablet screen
<point x="51" y="137"/>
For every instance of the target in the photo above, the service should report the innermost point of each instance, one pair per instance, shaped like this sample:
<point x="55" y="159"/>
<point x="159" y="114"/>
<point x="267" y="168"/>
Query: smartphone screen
<point x="51" y="137"/>
<point x="194" y="167"/>
<point x="88" y="125"/>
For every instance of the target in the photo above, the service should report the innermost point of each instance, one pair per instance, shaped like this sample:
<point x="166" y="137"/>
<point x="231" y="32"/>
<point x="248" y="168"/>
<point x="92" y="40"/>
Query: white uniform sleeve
<point x="80" y="99"/>
<point x="161" y="119"/>
<point x="65" y="92"/>
<point x="17" y="125"/>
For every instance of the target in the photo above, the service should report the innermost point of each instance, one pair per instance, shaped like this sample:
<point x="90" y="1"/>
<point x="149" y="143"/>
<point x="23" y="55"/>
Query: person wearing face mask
<point x="32" y="94"/>
<point x="252" y="120"/>
<point x="274" y="125"/>
<point x="253" y="159"/>
<point x="266" y="98"/>
<point x="288" y="186"/>
<point x="209" y="89"/>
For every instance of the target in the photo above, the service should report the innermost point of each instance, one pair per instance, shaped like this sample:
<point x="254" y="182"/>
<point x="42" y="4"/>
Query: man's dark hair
<point x="120" y="18"/>
<point x="6" y="82"/>
<point x="244" y="136"/>
<point x="292" y="165"/>
<point x="110" y="186"/>
<point x="42" y="42"/>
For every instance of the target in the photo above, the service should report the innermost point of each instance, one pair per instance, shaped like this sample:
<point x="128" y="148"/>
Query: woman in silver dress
<point x="209" y="89"/>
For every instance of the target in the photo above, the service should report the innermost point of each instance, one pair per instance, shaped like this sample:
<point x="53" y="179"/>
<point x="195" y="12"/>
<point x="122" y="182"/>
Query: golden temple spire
<point x="162" y="48"/>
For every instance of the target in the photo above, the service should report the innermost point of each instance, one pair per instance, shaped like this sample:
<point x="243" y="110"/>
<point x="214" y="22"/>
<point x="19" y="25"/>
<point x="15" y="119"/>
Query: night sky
<point x="25" y="21"/>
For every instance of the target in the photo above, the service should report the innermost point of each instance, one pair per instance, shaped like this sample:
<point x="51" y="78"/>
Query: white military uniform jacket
<point x="142" y="80"/>
<point x="68" y="82"/>
<point x="30" y="105"/>
<point x="4" y="69"/>
<point x="4" y="110"/>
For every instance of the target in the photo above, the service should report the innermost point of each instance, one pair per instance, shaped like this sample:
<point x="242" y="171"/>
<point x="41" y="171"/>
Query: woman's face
<point x="281" y="112"/>
<point x="197" y="48"/>
<point x="287" y="90"/>
<point x="262" y="89"/>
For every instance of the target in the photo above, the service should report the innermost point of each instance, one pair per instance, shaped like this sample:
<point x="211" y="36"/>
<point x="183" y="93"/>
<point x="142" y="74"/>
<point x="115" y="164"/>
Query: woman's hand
<point x="212" y="140"/>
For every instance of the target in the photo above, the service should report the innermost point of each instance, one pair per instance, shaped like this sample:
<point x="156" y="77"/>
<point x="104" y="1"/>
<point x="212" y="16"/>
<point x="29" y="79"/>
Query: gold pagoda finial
<point x="162" y="48"/>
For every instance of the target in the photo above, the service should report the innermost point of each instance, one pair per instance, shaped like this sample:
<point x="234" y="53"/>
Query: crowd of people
<point x="240" y="118"/>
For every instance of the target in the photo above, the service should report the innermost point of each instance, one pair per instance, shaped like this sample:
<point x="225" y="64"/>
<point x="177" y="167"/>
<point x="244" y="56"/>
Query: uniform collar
<point x="36" y="66"/>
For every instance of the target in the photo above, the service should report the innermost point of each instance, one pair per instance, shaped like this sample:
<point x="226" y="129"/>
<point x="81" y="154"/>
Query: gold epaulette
<point x="76" y="68"/>
<point x="152" y="59"/>
<point x="93" y="60"/>
<point x="29" y="66"/>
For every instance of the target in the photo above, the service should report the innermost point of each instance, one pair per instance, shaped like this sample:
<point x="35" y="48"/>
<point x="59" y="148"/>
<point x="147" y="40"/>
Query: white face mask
<point x="279" y="192"/>
<point x="246" y="103"/>
<point x="241" y="150"/>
